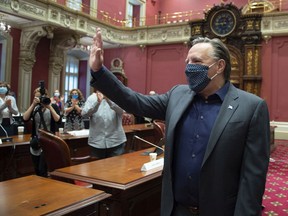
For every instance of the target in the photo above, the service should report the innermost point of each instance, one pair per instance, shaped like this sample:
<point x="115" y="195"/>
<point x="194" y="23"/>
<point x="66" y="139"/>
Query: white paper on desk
<point x="84" y="132"/>
<point x="152" y="165"/>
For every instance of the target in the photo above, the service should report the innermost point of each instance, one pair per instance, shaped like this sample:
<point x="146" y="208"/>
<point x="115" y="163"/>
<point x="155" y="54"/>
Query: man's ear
<point x="221" y="66"/>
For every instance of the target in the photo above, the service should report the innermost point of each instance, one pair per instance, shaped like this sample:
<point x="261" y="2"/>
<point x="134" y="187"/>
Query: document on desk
<point x="84" y="132"/>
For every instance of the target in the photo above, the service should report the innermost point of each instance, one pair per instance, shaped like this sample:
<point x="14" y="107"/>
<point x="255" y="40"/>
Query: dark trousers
<point x="40" y="166"/>
<point x="108" y="152"/>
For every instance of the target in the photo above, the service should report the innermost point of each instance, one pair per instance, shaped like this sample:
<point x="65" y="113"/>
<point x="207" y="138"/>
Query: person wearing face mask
<point x="44" y="115"/>
<point x="8" y="107"/>
<point x="58" y="100"/>
<point x="217" y="136"/>
<point x="72" y="111"/>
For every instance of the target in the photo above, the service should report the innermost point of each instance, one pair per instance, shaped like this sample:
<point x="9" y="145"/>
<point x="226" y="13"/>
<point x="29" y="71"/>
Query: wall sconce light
<point x="153" y="2"/>
<point x="142" y="47"/>
<point x="267" y="38"/>
<point x="186" y="44"/>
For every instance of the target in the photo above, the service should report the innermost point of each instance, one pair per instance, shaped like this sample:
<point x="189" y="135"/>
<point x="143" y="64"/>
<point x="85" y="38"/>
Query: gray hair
<point x="220" y="52"/>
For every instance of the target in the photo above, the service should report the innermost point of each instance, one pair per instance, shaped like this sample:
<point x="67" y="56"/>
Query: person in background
<point x="106" y="134"/>
<point x="51" y="118"/>
<point x="8" y="107"/>
<point x="217" y="136"/>
<point x="58" y="100"/>
<point x="72" y="111"/>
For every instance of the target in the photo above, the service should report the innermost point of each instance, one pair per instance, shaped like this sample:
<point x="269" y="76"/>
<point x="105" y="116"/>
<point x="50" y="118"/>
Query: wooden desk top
<point x="34" y="195"/>
<point x="121" y="172"/>
<point x="138" y="127"/>
<point x="25" y="139"/>
<point x="17" y="140"/>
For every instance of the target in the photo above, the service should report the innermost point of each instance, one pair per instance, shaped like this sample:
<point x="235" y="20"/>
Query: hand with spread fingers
<point x="96" y="54"/>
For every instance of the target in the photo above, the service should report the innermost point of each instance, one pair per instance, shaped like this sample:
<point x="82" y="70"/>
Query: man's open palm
<point x="96" y="54"/>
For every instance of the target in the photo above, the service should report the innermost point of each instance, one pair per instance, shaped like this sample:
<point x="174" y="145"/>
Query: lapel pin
<point x="230" y="107"/>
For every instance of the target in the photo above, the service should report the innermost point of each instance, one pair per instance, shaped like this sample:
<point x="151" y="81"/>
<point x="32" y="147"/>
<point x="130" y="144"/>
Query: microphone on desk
<point x="158" y="149"/>
<point x="7" y="138"/>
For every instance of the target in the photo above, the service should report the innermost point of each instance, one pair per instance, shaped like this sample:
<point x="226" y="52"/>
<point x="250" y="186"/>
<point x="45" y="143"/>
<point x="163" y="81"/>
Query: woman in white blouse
<point x="8" y="107"/>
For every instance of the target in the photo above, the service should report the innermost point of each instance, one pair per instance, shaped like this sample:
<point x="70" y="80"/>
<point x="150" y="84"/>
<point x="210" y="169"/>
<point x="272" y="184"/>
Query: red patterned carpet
<point x="275" y="198"/>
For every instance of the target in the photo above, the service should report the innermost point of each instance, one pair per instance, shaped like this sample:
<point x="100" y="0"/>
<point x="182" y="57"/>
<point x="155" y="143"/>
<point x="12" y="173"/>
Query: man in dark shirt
<point x="217" y="136"/>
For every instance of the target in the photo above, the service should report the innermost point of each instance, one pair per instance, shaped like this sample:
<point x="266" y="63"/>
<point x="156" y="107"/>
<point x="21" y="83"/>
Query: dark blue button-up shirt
<point x="192" y="135"/>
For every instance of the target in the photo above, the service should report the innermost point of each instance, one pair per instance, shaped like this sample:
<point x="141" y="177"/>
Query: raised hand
<point x="96" y="54"/>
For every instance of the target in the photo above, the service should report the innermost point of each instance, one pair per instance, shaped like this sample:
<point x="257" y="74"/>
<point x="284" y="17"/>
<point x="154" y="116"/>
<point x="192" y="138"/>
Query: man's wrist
<point x="95" y="70"/>
<point x="96" y="74"/>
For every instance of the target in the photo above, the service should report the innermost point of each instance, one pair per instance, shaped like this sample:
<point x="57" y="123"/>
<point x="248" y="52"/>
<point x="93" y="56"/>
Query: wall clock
<point x="223" y="22"/>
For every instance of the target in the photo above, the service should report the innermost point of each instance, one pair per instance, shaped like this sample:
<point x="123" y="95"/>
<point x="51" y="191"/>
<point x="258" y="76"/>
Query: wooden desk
<point x="79" y="147"/>
<point x="140" y="129"/>
<point x="133" y="192"/>
<point x="17" y="140"/>
<point x="15" y="158"/>
<point x="145" y="131"/>
<point x="34" y="195"/>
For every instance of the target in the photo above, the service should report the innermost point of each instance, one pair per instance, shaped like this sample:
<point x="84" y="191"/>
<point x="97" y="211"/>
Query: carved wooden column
<point x="252" y="74"/>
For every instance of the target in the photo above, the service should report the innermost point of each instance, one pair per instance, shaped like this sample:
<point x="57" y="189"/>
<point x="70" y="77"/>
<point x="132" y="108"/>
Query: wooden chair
<point x="159" y="128"/>
<point x="57" y="153"/>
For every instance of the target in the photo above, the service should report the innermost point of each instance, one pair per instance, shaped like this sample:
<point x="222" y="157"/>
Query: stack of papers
<point x="84" y="132"/>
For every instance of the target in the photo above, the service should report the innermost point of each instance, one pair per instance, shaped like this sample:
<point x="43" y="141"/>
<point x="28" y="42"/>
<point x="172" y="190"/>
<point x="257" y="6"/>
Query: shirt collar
<point x="223" y="91"/>
<point x="219" y="94"/>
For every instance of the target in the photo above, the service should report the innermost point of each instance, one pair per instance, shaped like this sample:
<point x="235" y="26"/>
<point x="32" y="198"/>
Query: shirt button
<point x="190" y="177"/>
<point x="201" y="117"/>
<point x="193" y="155"/>
<point x="197" y="136"/>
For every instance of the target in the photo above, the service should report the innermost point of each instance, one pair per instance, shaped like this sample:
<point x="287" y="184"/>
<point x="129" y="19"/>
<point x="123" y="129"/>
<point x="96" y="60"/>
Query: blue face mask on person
<point x="74" y="96"/>
<point x="3" y="90"/>
<point x="197" y="76"/>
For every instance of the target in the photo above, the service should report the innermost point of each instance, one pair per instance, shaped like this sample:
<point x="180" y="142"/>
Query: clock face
<point x="223" y="23"/>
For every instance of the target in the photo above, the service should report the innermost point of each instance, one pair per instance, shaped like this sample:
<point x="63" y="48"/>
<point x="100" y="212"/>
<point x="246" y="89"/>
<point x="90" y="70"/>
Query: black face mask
<point x="197" y="76"/>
